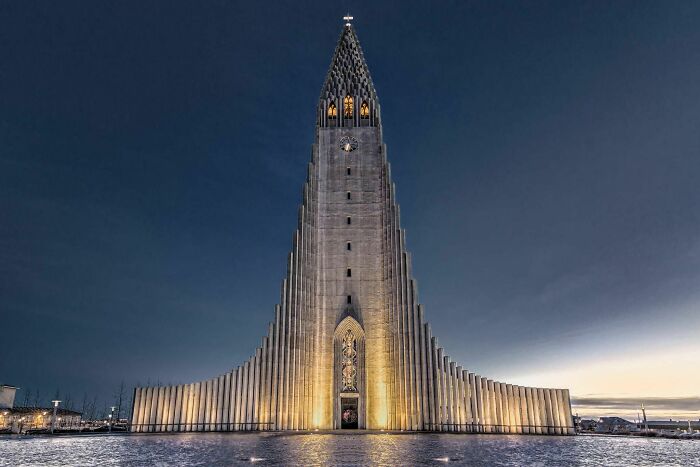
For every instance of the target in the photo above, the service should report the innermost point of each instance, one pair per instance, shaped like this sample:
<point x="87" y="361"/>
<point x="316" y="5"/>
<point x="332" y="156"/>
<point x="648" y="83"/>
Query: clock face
<point x="348" y="143"/>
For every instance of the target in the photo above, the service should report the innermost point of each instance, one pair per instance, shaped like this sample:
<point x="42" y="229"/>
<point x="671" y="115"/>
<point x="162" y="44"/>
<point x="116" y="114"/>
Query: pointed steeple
<point x="348" y="75"/>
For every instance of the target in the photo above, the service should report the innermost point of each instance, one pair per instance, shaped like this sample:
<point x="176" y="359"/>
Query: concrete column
<point x="524" y="417"/>
<point x="163" y="396"/>
<point x="158" y="423"/>
<point x="468" y="414"/>
<point x="500" y="411"/>
<point x="191" y="414"/>
<point x="492" y="403"/>
<point x="186" y="408"/>
<point x="221" y="390"/>
<point x="239" y="397"/>
<point x="264" y="384"/>
<point x="211" y="403"/>
<point x="193" y="407"/>
<point x="274" y="379"/>
<point x="430" y="376"/>
<point x="232" y="402"/>
<point x="207" y="387"/>
<point x="135" y="409"/>
<point x="250" y="415"/>
<point x="146" y="409"/>
<point x="172" y="407"/>
<point x="152" y="409"/>
<point x="485" y="406"/>
<point x="256" y="390"/>
<point x="205" y="403"/>
<point x="549" y="413"/>
<point x="284" y="383"/>
<point x="479" y="401"/>
<point x="473" y="395"/>
<point x="441" y="385"/>
<point x="449" y="399"/>
<point x="244" y="397"/>
<point x="513" y="410"/>
<point x="555" y="411"/>
<point x="567" y="412"/>
<point x="177" y="413"/>
<point x="225" y="402"/>
<point x="513" y="426"/>
<point x="460" y="398"/>
<point x="533" y="409"/>
<point x="182" y="415"/>
<point x="545" y="422"/>
<point x="425" y="392"/>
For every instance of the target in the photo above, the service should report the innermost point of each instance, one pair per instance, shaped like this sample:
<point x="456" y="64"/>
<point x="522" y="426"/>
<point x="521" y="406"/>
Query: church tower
<point x="349" y="346"/>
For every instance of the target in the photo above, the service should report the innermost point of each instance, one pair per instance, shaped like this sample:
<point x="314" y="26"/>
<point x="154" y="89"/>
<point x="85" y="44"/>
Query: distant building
<point x="615" y="425"/>
<point x="7" y="396"/>
<point x="677" y="425"/>
<point x="587" y="425"/>
<point x="20" y="419"/>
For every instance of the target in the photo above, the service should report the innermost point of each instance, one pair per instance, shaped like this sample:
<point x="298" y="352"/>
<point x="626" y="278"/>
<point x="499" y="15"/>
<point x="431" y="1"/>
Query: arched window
<point x="347" y="106"/>
<point x="349" y="362"/>
<point x="332" y="111"/>
<point x="364" y="110"/>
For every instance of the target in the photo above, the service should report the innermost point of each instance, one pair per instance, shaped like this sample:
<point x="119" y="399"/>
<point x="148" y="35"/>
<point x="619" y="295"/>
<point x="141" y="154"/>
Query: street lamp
<point x="53" y="417"/>
<point x="111" y="417"/>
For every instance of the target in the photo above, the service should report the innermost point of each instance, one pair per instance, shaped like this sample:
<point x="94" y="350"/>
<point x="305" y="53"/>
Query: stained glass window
<point x="332" y="111"/>
<point x="349" y="362"/>
<point x="347" y="106"/>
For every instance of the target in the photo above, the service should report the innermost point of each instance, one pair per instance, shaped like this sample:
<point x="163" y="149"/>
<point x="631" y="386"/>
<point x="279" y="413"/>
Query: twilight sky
<point x="546" y="155"/>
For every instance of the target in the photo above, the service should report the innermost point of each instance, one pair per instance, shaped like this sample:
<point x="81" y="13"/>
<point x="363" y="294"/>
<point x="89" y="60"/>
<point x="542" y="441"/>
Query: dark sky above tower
<point x="152" y="156"/>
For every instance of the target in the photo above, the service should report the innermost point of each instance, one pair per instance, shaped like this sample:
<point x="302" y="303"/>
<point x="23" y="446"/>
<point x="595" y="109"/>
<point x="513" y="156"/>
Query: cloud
<point x="651" y="403"/>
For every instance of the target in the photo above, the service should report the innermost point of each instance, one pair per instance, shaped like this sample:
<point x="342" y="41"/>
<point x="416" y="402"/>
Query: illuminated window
<point x="349" y="273"/>
<point x="347" y="106"/>
<point x="364" y="110"/>
<point x="349" y="362"/>
<point x="332" y="111"/>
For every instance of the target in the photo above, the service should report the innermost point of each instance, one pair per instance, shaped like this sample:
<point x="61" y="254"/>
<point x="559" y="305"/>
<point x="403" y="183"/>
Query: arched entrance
<point x="349" y="375"/>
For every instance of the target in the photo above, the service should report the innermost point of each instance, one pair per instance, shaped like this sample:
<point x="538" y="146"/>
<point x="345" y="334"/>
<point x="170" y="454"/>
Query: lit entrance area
<point x="349" y="375"/>
<point x="348" y="413"/>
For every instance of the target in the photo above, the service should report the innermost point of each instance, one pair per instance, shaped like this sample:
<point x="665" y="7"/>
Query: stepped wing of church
<point x="349" y="346"/>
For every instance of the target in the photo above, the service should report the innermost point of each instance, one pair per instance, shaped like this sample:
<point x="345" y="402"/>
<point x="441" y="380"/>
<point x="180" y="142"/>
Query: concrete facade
<point x="349" y="345"/>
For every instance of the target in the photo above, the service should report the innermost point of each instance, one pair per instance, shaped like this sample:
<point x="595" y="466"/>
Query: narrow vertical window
<point x="349" y="300"/>
<point x="348" y="107"/>
<point x="332" y="111"/>
<point x="349" y="362"/>
<point x="349" y="273"/>
<point x="349" y="220"/>
<point x="349" y="172"/>
<point x="349" y="247"/>
<point x="364" y="111"/>
<point x="349" y="196"/>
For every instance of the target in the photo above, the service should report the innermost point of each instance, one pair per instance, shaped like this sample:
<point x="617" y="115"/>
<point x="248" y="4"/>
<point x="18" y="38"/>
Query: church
<point x="349" y="346"/>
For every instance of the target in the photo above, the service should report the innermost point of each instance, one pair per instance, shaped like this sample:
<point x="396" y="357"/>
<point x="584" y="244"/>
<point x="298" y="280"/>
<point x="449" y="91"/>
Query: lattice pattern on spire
<point x="348" y="73"/>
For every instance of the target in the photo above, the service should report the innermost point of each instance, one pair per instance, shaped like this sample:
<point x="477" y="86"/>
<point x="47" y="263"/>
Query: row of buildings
<point x="28" y="419"/>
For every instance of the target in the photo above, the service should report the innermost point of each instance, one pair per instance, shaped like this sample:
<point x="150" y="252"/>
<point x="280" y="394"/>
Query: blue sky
<point x="545" y="154"/>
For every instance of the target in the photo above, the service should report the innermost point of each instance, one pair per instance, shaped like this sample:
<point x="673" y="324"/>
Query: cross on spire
<point x="347" y="18"/>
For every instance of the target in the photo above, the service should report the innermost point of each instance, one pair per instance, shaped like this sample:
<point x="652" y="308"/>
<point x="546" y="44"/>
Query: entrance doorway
<point x="348" y="413"/>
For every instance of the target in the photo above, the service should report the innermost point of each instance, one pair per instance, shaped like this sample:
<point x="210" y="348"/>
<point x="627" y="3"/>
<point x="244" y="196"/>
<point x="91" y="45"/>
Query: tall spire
<point x="348" y="73"/>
